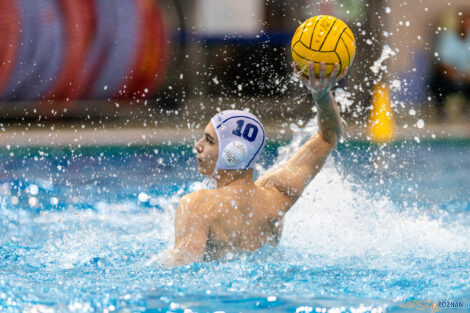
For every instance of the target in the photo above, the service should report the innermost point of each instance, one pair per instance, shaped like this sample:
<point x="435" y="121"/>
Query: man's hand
<point x="321" y="87"/>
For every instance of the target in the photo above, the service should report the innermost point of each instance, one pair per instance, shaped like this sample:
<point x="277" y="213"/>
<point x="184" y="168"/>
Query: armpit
<point x="276" y="224"/>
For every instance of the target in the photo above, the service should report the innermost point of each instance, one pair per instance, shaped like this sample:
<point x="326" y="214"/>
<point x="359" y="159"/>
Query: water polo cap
<point x="241" y="138"/>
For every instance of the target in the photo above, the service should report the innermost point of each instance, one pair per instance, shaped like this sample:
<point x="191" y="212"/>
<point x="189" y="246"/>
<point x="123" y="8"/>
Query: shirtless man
<point x="240" y="214"/>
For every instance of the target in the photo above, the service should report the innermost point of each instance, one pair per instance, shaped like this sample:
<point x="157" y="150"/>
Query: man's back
<point x="244" y="219"/>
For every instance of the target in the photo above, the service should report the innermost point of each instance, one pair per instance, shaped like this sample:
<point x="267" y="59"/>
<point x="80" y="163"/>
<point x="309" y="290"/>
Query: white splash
<point x="337" y="218"/>
<point x="379" y="65"/>
<point x="395" y="85"/>
<point x="84" y="236"/>
<point x="343" y="98"/>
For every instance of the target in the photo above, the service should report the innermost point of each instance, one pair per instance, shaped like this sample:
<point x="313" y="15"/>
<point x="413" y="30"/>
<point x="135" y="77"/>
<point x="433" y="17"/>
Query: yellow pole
<point x="381" y="127"/>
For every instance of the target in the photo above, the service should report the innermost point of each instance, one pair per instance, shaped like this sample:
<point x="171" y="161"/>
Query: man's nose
<point x="198" y="147"/>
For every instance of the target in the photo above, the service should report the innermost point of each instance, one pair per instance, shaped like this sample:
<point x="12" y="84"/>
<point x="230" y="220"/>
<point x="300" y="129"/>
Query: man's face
<point x="207" y="149"/>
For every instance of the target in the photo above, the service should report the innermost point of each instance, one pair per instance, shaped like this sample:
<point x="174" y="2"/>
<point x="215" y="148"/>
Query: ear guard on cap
<point x="234" y="154"/>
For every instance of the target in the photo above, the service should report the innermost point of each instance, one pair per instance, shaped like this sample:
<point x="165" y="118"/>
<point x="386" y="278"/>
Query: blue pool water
<point x="379" y="225"/>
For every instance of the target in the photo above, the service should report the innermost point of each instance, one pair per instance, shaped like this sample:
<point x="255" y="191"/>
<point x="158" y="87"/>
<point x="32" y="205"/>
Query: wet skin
<point x="242" y="215"/>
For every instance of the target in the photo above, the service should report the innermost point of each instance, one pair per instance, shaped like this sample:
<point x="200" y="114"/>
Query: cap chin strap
<point x="210" y="182"/>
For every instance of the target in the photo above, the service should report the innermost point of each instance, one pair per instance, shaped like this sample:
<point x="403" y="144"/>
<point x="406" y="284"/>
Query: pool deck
<point x="86" y="135"/>
<point x="89" y="123"/>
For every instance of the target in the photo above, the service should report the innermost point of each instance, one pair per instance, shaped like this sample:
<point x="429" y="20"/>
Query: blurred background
<point x="174" y="63"/>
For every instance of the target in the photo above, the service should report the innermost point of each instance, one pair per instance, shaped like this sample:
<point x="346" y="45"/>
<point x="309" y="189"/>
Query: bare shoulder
<point x="198" y="203"/>
<point x="209" y="201"/>
<point x="270" y="183"/>
<point x="196" y="197"/>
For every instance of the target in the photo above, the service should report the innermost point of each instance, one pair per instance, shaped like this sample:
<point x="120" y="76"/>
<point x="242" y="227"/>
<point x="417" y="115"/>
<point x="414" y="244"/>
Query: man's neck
<point x="227" y="177"/>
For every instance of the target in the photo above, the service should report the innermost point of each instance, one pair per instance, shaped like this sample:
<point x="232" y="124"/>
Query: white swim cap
<point x="241" y="138"/>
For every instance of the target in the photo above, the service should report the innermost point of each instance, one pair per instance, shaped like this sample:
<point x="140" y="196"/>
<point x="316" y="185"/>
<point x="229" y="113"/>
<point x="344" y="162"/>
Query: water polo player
<point x="242" y="215"/>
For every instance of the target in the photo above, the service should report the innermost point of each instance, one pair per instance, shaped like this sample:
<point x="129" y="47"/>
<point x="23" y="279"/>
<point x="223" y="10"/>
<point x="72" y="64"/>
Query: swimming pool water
<point x="379" y="225"/>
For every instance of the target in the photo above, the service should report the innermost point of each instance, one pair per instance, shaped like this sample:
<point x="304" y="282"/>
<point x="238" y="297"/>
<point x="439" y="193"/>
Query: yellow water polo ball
<point x="323" y="38"/>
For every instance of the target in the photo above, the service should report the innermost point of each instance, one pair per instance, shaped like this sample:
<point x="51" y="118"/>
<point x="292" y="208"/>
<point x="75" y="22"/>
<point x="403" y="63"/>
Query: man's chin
<point x="204" y="170"/>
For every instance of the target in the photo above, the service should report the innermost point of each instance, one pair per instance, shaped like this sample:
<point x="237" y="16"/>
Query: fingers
<point x="340" y="76"/>
<point x="294" y="66"/>
<point x="296" y="69"/>
<point x="322" y="72"/>
<point x="311" y="70"/>
<point x="298" y="73"/>
<point x="323" y="82"/>
<point x="311" y="73"/>
<point x="332" y="78"/>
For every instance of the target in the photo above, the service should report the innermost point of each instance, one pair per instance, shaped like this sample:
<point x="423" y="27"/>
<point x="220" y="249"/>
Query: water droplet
<point x="33" y="189"/>
<point x="420" y="123"/>
<point x="143" y="197"/>
<point x="14" y="200"/>
<point x="33" y="201"/>
<point x="54" y="201"/>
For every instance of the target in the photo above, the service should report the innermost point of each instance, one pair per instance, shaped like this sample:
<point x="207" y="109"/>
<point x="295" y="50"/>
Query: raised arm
<point x="295" y="174"/>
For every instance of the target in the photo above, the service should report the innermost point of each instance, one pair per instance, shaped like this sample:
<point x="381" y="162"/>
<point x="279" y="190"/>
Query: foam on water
<point x="337" y="218"/>
<point x="102" y="233"/>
